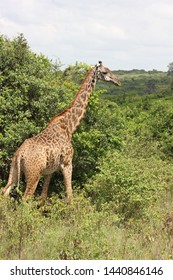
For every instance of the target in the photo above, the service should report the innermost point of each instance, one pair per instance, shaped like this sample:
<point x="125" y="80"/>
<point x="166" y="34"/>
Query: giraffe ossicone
<point x="51" y="150"/>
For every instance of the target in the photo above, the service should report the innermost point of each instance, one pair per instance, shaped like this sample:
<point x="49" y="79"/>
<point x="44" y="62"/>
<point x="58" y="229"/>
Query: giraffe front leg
<point x="67" y="173"/>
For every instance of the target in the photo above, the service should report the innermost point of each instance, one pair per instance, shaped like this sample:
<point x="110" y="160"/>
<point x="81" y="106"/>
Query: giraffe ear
<point x="99" y="64"/>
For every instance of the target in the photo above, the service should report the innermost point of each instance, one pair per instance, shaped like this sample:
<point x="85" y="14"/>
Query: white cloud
<point x="165" y="9"/>
<point x="124" y="34"/>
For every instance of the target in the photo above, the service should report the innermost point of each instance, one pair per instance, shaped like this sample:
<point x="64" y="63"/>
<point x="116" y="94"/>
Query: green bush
<point x="28" y="97"/>
<point x="128" y="185"/>
<point x="20" y="225"/>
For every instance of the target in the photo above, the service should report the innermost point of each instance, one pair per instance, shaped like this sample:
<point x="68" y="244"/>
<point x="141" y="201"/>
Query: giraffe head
<point x="104" y="74"/>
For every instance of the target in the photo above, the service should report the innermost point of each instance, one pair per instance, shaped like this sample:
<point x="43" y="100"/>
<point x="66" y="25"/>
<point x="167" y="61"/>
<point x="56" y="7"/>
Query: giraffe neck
<point x="71" y="117"/>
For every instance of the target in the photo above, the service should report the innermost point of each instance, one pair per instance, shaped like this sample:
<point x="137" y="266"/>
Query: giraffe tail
<point x="14" y="176"/>
<point x="18" y="170"/>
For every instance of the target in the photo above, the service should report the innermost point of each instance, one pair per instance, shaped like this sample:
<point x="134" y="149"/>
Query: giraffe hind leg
<point x="45" y="188"/>
<point x="31" y="185"/>
<point x="7" y="188"/>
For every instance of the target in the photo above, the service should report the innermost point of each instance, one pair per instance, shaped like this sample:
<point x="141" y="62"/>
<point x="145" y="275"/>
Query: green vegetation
<point x="123" y="163"/>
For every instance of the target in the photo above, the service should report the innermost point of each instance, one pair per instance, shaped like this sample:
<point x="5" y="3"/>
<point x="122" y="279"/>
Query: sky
<point x="123" y="34"/>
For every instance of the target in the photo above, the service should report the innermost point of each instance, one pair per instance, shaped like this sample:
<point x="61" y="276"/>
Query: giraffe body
<point x="42" y="155"/>
<point x="51" y="150"/>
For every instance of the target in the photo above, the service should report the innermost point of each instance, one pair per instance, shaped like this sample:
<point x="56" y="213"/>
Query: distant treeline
<point x="137" y="71"/>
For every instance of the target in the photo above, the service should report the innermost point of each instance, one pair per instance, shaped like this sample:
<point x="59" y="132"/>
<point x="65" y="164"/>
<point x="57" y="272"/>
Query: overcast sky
<point x="124" y="34"/>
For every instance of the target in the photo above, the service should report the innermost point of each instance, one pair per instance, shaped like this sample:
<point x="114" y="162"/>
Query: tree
<point x="150" y="86"/>
<point x="28" y="95"/>
<point x="170" y="73"/>
<point x="170" y="69"/>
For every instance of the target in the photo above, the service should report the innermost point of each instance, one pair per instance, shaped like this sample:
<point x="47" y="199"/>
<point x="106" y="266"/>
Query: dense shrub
<point x="128" y="185"/>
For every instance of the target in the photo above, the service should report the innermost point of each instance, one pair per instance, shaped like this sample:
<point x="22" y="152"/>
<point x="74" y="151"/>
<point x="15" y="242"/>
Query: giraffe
<point x="51" y="150"/>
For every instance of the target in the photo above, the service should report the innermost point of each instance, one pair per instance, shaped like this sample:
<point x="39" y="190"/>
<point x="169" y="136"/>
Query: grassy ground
<point x="80" y="231"/>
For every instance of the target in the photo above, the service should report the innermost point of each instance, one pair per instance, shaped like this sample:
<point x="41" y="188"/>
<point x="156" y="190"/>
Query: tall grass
<point x="79" y="231"/>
